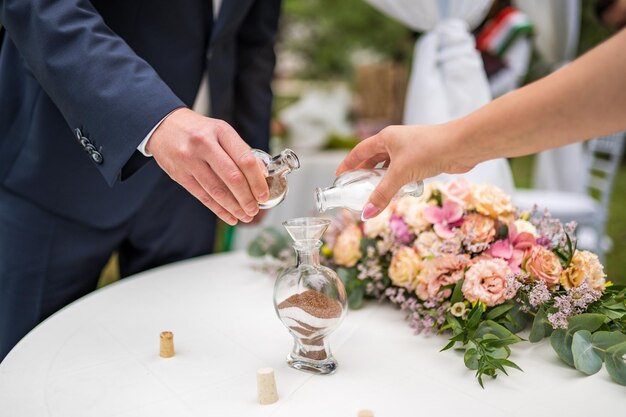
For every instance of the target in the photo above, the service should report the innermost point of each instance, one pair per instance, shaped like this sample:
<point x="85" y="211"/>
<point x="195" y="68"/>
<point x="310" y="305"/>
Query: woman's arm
<point x="583" y="100"/>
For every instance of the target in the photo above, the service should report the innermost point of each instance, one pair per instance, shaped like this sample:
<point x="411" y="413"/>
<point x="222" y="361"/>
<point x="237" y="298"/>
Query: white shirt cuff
<point x="142" y="146"/>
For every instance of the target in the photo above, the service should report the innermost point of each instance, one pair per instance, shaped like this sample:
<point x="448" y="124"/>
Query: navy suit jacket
<point x="83" y="82"/>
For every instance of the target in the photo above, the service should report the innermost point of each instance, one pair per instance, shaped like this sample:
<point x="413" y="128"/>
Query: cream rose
<point x="378" y="226"/>
<point x="523" y="226"/>
<point x="347" y="249"/>
<point x="478" y="229"/>
<point x="492" y="201"/>
<point x="404" y="268"/>
<point x="585" y="266"/>
<point x="427" y="244"/>
<point x="486" y="282"/>
<point x="542" y="264"/>
<point x="412" y="211"/>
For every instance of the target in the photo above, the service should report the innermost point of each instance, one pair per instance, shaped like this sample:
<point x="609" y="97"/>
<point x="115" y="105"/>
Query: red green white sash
<point x="500" y="32"/>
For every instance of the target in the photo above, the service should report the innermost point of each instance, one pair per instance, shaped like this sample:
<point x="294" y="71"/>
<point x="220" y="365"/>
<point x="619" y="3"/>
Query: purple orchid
<point x="512" y="248"/>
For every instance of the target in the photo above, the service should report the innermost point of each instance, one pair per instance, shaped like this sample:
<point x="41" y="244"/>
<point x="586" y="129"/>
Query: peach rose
<point x="379" y="225"/>
<point x="478" y="229"/>
<point x="585" y="266"/>
<point x="405" y="267"/>
<point x="457" y="190"/>
<point x="347" y="249"/>
<point x="493" y="202"/>
<point x="427" y="244"/>
<point x="412" y="211"/>
<point x="439" y="272"/>
<point x="542" y="264"/>
<point x="486" y="282"/>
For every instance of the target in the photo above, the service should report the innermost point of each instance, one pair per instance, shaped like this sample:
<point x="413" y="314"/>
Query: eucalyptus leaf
<point x="604" y="340"/>
<point x="538" y="331"/>
<point x="615" y="363"/>
<point x="586" y="359"/>
<point x="562" y="345"/>
<point x="355" y="298"/>
<point x="586" y="321"/>
<point x="516" y="320"/>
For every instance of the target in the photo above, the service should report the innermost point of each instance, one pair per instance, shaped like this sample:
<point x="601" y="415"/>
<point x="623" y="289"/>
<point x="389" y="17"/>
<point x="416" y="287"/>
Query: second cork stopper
<point x="167" y="345"/>
<point x="266" y="386"/>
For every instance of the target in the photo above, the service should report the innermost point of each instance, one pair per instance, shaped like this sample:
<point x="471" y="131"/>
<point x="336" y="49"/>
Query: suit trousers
<point x="48" y="261"/>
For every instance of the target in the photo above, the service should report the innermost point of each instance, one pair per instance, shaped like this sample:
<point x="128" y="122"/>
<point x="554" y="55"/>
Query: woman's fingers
<point x="380" y="198"/>
<point x="362" y="152"/>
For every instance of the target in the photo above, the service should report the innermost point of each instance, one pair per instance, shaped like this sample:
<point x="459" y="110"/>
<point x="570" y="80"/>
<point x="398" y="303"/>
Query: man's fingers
<point x="219" y="191"/>
<point x="240" y="153"/>
<point x="362" y="152"/>
<point x="380" y="198"/>
<point x="198" y="191"/>
<point x="236" y="181"/>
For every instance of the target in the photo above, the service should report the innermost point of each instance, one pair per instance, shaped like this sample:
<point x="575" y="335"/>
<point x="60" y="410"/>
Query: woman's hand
<point x="412" y="153"/>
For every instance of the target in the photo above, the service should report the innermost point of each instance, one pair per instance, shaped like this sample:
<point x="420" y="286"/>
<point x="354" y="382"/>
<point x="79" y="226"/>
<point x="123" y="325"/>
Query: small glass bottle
<point x="352" y="189"/>
<point x="276" y="170"/>
<point x="310" y="299"/>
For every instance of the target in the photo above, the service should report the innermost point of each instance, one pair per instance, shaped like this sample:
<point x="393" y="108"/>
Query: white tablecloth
<point x="99" y="357"/>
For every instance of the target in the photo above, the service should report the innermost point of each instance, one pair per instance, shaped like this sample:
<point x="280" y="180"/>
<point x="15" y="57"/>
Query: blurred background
<point x="345" y="68"/>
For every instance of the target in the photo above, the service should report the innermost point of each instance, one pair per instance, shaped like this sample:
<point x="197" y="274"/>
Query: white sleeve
<point x="142" y="146"/>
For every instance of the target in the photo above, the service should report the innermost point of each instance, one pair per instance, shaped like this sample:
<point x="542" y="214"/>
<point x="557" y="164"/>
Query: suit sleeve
<point x="95" y="79"/>
<point x="255" y="69"/>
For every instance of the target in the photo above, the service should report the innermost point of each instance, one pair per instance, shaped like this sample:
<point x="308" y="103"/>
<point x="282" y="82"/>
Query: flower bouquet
<point x="460" y="260"/>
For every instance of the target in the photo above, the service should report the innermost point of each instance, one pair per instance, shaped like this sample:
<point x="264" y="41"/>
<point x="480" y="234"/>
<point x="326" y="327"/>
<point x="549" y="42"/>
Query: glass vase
<point x="310" y="299"/>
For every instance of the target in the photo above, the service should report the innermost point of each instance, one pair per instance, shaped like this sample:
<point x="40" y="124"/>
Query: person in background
<point x="612" y="13"/>
<point x="504" y="42"/>
<point x="100" y="151"/>
<point x="585" y="99"/>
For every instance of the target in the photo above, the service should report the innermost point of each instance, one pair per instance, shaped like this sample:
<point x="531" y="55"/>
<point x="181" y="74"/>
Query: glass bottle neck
<point x="283" y="163"/>
<point x="308" y="252"/>
<point x="328" y="198"/>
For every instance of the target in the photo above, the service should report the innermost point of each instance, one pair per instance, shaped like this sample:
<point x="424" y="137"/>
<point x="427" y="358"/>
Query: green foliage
<point x="327" y="32"/>
<point x="270" y="242"/>
<point x="541" y="327"/>
<point x="486" y="342"/>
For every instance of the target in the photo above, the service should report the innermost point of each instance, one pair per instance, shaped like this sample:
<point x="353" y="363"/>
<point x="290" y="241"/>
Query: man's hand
<point x="209" y="159"/>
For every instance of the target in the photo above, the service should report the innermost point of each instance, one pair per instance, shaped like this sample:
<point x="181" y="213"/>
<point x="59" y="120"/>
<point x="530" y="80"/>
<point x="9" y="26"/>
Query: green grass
<point x="616" y="228"/>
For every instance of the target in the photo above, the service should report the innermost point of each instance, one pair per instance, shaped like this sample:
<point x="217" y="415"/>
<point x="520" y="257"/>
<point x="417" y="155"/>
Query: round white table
<point x="99" y="357"/>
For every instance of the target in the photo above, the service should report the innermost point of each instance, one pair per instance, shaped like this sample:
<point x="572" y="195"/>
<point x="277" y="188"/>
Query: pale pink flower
<point x="543" y="264"/>
<point x="445" y="219"/>
<point x="486" y="282"/>
<point x="457" y="191"/>
<point x="438" y="272"/>
<point x="427" y="244"/>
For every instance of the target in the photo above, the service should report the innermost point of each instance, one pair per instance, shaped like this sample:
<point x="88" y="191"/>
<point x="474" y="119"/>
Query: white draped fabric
<point x="448" y="79"/>
<point x="557" y="27"/>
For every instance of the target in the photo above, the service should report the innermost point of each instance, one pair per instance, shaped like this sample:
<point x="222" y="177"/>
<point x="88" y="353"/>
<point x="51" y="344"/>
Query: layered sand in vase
<point x="307" y="315"/>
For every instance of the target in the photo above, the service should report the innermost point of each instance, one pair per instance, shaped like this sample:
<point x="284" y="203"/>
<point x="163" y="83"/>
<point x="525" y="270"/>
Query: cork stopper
<point x="266" y="386"/>
<point x="365" y="413"/>
<point x="167" y="345"/>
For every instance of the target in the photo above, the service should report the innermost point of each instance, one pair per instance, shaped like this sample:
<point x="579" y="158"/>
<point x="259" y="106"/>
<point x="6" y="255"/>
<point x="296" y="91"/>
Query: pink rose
<point x="457" y="191"/>
<point x="486" y="282"/>
<point x="439" y="272"/>
<point x="543" y="264"/>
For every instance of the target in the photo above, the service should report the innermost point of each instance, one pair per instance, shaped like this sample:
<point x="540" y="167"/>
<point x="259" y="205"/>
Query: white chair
<point x="590" y="210"/>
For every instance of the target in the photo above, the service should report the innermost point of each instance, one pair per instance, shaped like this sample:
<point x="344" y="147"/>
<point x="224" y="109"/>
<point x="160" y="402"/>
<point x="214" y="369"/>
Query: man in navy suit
<point x="99" y="151"/>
